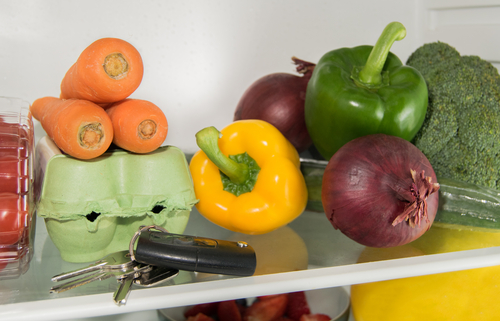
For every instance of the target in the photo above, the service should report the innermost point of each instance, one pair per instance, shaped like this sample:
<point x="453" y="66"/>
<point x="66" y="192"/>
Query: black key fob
<point x="198" y="254"/>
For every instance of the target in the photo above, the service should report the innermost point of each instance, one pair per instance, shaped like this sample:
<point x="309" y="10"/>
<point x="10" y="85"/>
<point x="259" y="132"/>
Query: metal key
<point x="115" y="264"/>
<point x="135" y="270"/>
<point x="125" y="286"/>
<point x="115" y="261"/>
<point x="97" y="276"/>
<point x="146" y="276"/>
<point x="155" y="276"/>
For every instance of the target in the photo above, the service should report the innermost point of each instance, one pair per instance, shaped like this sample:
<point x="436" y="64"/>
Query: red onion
<point x="279" y="99"/>
<point x="379" y="190"/>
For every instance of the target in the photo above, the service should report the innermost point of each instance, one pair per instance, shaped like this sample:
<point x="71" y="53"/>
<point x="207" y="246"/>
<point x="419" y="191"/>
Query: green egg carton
<point x="93" y="207"/>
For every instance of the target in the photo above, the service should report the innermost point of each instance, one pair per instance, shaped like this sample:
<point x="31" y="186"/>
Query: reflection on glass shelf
<point x="308" y="242"/>
<point x="305" y="255"/>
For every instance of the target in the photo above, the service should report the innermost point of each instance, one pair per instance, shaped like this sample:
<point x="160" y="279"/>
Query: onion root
<point x="420" y="189"/>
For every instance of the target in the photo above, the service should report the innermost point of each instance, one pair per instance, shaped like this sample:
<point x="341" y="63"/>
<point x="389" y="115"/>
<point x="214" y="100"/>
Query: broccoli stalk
<point x="461" y="132"/>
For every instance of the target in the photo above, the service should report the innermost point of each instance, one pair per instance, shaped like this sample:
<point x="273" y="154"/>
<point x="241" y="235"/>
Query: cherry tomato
<point x="13" y="175"/>
<point x="9" y="145"/>
<point x="14" y="156"/>
<point x="14" y="140"/>
<point x="13" y="215"/>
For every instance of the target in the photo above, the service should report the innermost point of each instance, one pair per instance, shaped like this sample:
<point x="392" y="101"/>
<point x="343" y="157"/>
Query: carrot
<point x="79" y="128"/>
<point x="139" y="126"/>
<point x="107" y="71"/>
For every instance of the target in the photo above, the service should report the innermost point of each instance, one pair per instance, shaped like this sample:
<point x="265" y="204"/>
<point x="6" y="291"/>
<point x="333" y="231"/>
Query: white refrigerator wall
<point x="200" y="56"/>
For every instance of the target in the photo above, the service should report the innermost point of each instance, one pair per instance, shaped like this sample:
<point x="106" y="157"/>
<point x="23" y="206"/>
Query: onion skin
<point x="366" y="186"/>
<point x="279" y="99"/>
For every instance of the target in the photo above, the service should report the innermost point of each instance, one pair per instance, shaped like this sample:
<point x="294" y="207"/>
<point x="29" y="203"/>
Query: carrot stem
<point x="91" y="135"/>
<point x="115" y="66"/>
<point x="147" y="129"/>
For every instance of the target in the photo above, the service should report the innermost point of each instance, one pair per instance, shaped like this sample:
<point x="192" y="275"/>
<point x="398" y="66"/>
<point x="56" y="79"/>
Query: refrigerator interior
<point x="199" y="58"/>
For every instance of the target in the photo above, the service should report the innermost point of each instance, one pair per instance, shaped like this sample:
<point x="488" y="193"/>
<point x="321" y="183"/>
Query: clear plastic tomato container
<point x="17" y="219"/>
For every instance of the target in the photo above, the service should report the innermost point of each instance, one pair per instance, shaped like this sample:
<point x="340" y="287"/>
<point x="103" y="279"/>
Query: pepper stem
<point x="371" y="74"/>
<point x="207" y="139"/>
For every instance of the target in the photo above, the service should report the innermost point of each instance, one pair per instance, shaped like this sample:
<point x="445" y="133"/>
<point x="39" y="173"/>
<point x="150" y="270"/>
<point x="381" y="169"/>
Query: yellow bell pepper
<point x="247" y="177"/>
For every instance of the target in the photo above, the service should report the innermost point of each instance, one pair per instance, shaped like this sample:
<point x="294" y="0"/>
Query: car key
<point x="146" y="276"/>
<point x="198" y="254"/>
<point x="155" y="276"/>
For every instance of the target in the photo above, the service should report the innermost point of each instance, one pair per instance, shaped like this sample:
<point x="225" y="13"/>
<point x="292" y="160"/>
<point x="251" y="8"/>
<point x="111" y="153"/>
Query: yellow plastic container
<point x="458" y="295"/>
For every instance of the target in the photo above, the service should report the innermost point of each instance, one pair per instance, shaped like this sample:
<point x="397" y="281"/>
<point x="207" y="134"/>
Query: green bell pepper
<point x="364" y="90"/>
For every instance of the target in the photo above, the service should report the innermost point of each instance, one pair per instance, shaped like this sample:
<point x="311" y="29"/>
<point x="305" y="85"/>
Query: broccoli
<point x="461" y="132"/>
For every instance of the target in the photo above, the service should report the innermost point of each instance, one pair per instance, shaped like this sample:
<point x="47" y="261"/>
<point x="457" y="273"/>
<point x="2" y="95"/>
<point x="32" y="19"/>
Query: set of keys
<point x="120" y="266"/>
<point x="158" y="257"/>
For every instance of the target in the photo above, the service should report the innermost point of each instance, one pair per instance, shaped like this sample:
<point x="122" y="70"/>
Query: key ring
<point x="138" y="233"/>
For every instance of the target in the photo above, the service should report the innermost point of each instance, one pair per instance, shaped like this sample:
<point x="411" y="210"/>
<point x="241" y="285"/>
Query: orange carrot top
<point x="107" y="71"/>
<point x="139" y="126"/>
<point x="79" y="128"/>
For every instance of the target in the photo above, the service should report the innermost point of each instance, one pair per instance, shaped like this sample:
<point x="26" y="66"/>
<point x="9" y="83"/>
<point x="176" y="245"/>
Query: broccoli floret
<point x="461" y="132"/>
